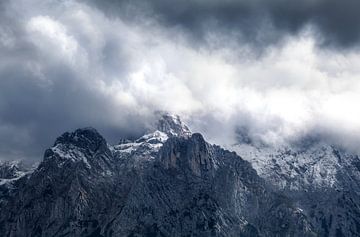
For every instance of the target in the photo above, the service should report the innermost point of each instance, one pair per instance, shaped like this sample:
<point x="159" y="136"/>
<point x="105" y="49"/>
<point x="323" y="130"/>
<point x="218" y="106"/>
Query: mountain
<point x="169" y="182"/>
<point x="322" y="178"/>
<point x="11" y="170"/>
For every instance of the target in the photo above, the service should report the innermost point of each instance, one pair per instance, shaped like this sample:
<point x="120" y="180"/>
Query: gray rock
<point x="166" y="183"/>
<point x="323" y="179"/>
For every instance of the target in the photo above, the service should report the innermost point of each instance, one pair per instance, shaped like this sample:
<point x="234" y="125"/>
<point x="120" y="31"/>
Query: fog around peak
<point x="70" y="64"/>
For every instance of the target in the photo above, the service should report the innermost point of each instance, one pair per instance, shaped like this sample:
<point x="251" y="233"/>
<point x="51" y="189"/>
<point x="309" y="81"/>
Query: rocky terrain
<point x="171" y="182"/>
<point x="323" y="179"/>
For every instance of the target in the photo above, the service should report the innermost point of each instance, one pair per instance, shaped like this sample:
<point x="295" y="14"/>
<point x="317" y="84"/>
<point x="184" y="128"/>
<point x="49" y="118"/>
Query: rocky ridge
<point x="322" y="178"/>
<point x="169" y="182"/>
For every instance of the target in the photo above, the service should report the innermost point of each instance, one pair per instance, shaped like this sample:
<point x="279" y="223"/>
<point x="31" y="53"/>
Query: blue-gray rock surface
<point x="169" y="182"/>
<point x="322" y="178"/>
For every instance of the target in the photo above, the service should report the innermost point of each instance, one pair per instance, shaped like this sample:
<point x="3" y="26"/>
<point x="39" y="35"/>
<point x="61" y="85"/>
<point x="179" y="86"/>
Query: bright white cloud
<point x="52" y="37"/>
<point x="139" y="68"/>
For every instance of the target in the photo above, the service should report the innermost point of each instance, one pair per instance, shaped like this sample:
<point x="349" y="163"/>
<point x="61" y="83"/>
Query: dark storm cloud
<point x="42" y="96"/>
<point x="65" y="64"/>
<point x="32" y="116"/>
<point x="254" y="22"/>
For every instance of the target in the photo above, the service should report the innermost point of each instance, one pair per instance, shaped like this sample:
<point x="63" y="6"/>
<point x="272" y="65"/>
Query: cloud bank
<point x="69" y="64"/>
<point x="255" y="22"/>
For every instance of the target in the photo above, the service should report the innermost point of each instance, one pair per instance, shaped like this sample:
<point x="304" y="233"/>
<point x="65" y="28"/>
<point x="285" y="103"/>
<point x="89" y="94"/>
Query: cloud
<point x="258" y="23"/>
<point x="66" y="64"/>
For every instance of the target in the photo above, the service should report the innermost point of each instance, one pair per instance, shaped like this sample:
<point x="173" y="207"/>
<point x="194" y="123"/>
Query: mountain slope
<point x="322" y="178"/>
<point x="167" y="183"/>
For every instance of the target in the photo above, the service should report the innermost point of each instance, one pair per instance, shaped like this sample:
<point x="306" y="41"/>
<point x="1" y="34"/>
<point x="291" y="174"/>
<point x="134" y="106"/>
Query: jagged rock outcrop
<point x="12" y="170"/>
<point x="166" y="183"/>
<point x="10" y="173"/>
<point x="172" y="125"/>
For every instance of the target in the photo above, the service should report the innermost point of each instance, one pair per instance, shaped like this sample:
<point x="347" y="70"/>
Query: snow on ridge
<point x="293" y="168"/>
<point x="13" y="170"/>
<point x="71" y="153"/>
<point x="153" y="141"/>
<point x="172" y="125"/>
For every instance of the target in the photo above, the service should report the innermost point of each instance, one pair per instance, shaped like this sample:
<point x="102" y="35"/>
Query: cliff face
<point x="166" y="183"/>
<point x="323" y="179"/>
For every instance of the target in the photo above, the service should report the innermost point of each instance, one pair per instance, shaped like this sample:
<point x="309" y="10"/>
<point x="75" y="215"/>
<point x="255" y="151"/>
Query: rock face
<point x="12" y="170"/>
<point x="166" y="183"/>
<point x="172" y="125"/>
<point x="323" y="179"/>
<point x="10" y="173"/>
<point x="171" y="182"/>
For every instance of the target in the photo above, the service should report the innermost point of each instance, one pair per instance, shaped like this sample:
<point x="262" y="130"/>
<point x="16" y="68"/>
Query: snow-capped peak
<point x="168" y="125"/>
<point x="149" y="142"/>
<point x="13" y="170"/>
<point x="172" y="125"/>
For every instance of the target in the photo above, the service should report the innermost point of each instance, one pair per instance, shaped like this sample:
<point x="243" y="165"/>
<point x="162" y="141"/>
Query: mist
<point x="70" y="64"/>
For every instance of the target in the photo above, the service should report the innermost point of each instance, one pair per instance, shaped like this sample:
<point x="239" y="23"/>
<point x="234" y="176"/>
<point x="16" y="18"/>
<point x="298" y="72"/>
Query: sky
<point x="274" y="70"/>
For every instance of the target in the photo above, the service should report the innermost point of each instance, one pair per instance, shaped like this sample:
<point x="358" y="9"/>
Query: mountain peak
<point x="12" y="169"/>
<point x="172" y="125"/>
<point x="87" y="138"/>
